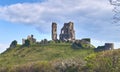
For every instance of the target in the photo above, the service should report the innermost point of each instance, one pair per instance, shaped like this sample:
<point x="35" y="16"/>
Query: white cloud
<point x="92" y="17"/>
<point x="38" y="13"/>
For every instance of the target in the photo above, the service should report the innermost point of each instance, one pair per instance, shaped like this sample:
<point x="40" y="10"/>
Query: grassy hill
<point x="59" y="57"/>
<point x="41" y="54"/>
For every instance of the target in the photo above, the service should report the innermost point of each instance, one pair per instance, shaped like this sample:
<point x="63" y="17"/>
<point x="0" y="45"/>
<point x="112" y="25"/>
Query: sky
<point x="92" y="19"/>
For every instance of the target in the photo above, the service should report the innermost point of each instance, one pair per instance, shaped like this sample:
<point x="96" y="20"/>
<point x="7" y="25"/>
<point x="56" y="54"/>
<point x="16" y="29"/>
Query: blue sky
<point x="92" y="19"/>
<point x="10" y="2"/>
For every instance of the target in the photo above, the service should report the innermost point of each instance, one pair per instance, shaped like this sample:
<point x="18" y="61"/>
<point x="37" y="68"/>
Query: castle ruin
<point x="54" y="31"/>
<point x="107" y="46"/>
<point x="67" y="32"/>
<point x="30" y="38"/>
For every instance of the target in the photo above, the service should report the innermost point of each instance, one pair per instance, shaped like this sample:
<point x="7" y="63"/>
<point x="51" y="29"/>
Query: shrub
<point x="108" y="61"/>
<point x="13" y="44"/>
<point x="68" y="65"/>
<point x="27" y="43"/>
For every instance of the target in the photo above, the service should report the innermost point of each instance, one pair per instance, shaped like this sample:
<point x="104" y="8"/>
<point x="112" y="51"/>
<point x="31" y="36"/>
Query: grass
<point x="51" y="52"/>
<point x="59" y="57"/>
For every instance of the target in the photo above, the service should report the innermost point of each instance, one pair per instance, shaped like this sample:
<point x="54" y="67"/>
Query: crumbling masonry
<point x="67" y="32"/>
<point x="30" y="38"/>
<point x="54" y="31"/>
<point x="107" y="46"/>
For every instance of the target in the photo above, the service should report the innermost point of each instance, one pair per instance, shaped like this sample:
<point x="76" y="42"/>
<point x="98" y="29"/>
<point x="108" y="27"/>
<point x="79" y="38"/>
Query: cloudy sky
<point x="92" y="19"/>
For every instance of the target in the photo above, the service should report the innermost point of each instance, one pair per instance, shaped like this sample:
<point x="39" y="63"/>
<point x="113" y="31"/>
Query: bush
<point x="69" y="65"/>
<point x="13" y="44"/>
<point x="108" y="61"/>
<point x="77" y="45"/>
<point x="44" y="42"/>
<point x="27" y="43"/>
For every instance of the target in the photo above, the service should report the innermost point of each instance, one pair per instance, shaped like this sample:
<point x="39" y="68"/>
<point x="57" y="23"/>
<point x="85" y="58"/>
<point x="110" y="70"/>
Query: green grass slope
<point x="18" y="55"/>
<point x="59" y="57"/>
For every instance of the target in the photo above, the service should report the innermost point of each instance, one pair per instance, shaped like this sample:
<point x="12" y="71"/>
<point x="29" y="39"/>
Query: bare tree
<point x="116" y="10"/>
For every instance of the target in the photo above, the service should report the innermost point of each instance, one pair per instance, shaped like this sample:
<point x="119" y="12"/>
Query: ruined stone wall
<point x="30" y="38"/>
<point x="54" y="31"/>
<point x="67" y="32"/>
<point x="109" y="46"/>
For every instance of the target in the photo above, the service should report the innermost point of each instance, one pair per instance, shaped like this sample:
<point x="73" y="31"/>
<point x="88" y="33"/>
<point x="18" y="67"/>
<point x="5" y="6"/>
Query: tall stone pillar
<point x="54" y="31"/>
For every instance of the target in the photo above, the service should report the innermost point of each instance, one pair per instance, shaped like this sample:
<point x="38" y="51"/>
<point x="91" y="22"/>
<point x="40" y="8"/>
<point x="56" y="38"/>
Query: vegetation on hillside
<point x="59" y="57"/>
<point x="51" y="56"/>
<point x="106" y="61"/>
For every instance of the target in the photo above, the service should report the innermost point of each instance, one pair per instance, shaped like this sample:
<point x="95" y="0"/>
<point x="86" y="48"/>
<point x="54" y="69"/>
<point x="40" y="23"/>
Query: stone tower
<point x="54" y="31"/>
<point x="67" y="32"/>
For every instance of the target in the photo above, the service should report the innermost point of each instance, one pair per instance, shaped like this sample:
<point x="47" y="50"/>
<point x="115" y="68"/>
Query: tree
<point x="27" y="43"/>
<point x="13" y="44"/>
<point x="45" y="41"/>
<point x="116" y="10"/>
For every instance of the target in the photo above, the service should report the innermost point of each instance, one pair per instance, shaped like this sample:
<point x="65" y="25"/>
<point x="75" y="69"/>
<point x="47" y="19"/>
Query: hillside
<point x="41" y="53"/>
<point x="59" y="57"/>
